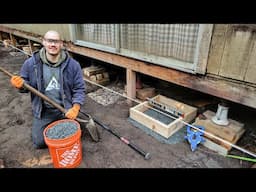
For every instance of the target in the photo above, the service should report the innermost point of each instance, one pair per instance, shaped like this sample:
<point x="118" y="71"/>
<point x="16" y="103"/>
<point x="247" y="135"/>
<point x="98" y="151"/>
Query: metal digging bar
<point x="92" y="129"/>
<point x="126" y="141"/>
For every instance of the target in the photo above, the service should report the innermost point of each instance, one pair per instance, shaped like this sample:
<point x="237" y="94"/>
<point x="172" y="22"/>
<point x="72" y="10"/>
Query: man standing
<point x="58" y="76"/>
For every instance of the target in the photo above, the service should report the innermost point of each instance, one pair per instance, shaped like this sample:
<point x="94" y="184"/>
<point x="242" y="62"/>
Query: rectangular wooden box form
<point x="166" y="130"/>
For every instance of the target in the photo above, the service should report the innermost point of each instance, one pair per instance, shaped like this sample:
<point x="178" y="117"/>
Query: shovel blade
<point x="93" y="130"/>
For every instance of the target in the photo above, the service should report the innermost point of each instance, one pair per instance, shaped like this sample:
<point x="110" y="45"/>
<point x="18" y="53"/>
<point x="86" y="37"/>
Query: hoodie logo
<point x="53" y="84"/>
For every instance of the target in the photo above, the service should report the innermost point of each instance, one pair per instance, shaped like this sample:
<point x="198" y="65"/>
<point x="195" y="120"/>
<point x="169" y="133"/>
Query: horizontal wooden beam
<point x="25" y="35"/>
<point x="236" y="92"/>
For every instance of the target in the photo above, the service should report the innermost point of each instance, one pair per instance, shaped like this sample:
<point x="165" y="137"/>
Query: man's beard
<point x="53" y="54"/>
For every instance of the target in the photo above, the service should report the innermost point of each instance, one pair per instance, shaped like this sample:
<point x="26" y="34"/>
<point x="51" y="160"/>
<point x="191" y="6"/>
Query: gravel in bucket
<point x="61" y="130"/>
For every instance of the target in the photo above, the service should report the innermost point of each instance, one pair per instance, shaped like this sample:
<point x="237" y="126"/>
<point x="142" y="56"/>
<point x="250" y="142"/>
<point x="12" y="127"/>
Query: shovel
<point x="91" y="127"/>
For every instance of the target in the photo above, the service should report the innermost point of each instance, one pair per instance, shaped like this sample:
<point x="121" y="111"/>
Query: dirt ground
<point x="17" y="152"/>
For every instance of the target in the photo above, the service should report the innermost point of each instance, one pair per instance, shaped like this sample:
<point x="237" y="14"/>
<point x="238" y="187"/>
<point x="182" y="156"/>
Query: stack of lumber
<point x="27" y="50"/>
<point x="96" y="74"/>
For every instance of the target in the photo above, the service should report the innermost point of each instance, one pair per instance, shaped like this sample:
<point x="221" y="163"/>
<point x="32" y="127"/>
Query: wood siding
<point x="41" y="29"/>
<point x="232" y="52"/>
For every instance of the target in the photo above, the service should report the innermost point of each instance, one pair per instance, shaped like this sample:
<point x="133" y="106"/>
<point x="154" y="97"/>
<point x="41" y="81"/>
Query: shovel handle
<point x="38" y="93"/>
<point x="6" y="72"/>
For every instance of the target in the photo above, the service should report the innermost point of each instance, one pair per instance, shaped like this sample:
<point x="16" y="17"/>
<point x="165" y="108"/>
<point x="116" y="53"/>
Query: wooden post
<point x="131" y="84"/>
<point x="31" y="47"/>
<point x="13" y="40"/>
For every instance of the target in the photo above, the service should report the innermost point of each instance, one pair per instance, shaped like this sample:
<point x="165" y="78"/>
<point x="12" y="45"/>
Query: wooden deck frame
<point x="234" y="91"/>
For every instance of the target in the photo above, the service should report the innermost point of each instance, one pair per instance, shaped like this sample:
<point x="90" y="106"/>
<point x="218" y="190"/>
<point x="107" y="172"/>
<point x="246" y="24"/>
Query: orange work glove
<point x="73" y="112"/>
<point x="17" y="81"/>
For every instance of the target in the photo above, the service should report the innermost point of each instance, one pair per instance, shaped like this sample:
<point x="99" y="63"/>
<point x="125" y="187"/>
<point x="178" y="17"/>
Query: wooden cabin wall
<point x="41" y="29"/>
<point x="232" y="52"/>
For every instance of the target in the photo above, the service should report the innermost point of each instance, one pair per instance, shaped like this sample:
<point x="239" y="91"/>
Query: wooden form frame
<point x="137" y="114"/>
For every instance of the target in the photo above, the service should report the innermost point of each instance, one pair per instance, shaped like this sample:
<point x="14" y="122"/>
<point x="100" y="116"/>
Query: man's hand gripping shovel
<point x="89" y="124"/>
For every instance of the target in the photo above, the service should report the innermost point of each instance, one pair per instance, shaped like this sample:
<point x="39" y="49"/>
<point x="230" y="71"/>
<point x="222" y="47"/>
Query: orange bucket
<point x="65" y="152"/>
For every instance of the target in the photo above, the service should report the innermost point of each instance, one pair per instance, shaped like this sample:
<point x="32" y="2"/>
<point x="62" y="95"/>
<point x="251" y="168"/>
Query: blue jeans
<point x="48" y="116"/>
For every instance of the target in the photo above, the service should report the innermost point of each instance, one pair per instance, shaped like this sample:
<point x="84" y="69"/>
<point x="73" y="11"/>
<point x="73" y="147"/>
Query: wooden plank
<point x="217" y="130"/>
<point x="216" y="49"/>
<point x="251" y="70"/>
<point x="219" y="146"/>
<point x="93" y="70"/>
<point x="137" y="114"/>
<point x="235" y="57"/>
<point x="215" y="147"/>
<point x="188" y="111"/>
<point x="228" y="132"/>
<point x="225" y="145"/>
<point x="151" y="123"/>
<point x="204" y="40"/>
<point x="155" y="125"/>
<point x="236" y="126"/>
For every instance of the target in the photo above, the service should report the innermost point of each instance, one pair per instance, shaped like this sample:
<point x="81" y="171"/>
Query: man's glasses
<point x="55" y="41"/>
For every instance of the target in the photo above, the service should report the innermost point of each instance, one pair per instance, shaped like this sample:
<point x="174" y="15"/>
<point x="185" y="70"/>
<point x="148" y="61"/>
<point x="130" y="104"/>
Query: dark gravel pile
<point x="61" y="130"/>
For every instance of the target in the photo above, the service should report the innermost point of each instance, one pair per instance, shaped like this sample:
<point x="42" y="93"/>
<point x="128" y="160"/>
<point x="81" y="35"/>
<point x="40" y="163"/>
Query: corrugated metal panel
<point x="41" y="29"/>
